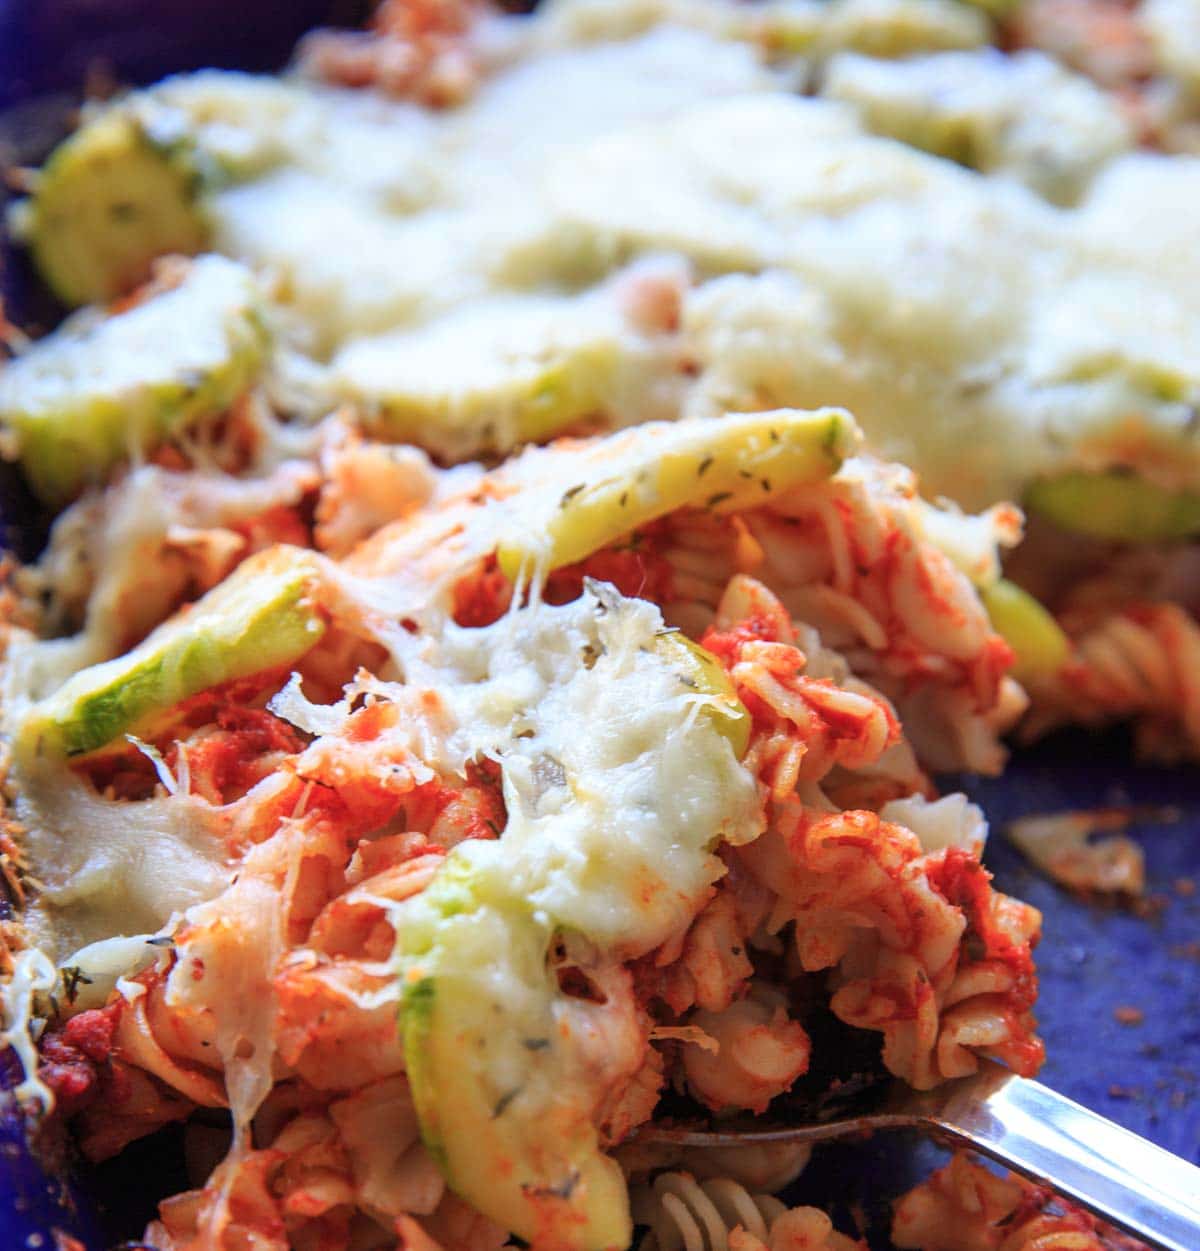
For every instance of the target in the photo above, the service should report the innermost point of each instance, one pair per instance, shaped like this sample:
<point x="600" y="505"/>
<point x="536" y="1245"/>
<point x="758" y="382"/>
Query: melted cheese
<point x="616" y="786"/>
<point x="355" y="257"/>
<point x="108" y="868"/>
<point x="32" y="974"/>
<point x="616" y="782"/>
<point x="105" y="868"/>
<point x="952" y="821"/>
<point x="101" y="967"/>
<point x="1024" y="115"/>
<point x="979" y="333"/>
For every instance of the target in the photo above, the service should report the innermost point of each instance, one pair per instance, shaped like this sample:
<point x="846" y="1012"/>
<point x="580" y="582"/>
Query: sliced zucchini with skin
<point x="102" y="388"/>
<point x="631" y="479"/>
<point x="107" y="203"/>
<point x="489" y="1054"/>
<point x="994" y="8"/>
<point x="506" y="371"/>
<point x="233" y="125"/>
<point x="701" y="670"/>
<point x="1037" y="640"/>
<point x="900" y="28"/>
<point x="1116" y="504"/>
<point x="603" y="860"/>
<point x="259" y="618"/>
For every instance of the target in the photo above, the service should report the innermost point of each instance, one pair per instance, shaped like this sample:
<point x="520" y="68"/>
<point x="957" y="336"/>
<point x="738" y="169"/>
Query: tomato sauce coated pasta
<point x="279" y="996"/>
<point x="967" y="1207"/>
<point x="477" y="701"/>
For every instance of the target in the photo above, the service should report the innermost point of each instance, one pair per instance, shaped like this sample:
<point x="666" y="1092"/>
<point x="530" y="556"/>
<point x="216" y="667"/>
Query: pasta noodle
<point x="863" y="895"/>
<point x="279" y="996"/>
<point x="1139" y="664"/>
<point x="966" y="1207"/>
<point x="684" y="1214"/>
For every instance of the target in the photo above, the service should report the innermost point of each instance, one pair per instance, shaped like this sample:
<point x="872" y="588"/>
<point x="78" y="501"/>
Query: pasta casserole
<point x="594" y="773"/>
<point x="536" y="503"/>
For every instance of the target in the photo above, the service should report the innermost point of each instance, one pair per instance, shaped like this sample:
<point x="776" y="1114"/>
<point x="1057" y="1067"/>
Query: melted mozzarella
<point x="615" y="783"/>
<point x="32" y="974"/>
<point x="1021" y="115"/>
<point x="979" y="333"/>
<point x="952" y="821"/>
<point x="107" y="867"/>
<point x="359" y="258"/>
<point x="104" y="965"/>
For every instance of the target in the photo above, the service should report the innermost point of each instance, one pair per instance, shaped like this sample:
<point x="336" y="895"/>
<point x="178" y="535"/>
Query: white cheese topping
<point x="1021" y="115"/>
<point x="979" y="333"/>
<point x="101" y="967"/>
<point x="616" y="782"/>
<point x="952" y="821"/>
<point x="180" y="338"/>
<point x="32" y="973"/>
<point x="108" y="867"/>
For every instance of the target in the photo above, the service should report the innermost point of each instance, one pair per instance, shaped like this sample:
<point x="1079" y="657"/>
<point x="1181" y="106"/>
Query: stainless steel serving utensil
<point x="1136" y="1186"/>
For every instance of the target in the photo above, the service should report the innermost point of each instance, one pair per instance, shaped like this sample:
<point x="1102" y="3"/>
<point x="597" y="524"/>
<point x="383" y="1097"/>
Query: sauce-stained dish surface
<point x="538" y="500"/>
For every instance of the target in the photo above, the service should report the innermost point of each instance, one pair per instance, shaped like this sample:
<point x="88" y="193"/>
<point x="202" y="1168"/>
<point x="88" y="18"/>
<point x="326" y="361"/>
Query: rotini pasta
<point x="418" y="831"/>
<point x="966" y="1207"/>
<point x="278" y="996"/>
<point x="1131" y="617"/>
<point x="1138" y="664"/>
<point x="683" y="1214"/>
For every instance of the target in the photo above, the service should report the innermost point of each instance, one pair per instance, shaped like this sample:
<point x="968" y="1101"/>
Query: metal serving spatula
<point x="1136" y="1186"/>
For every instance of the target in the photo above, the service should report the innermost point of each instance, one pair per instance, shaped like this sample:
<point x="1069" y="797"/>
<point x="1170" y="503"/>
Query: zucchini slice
<point x="508" y="370"/>
<point x="1116" y="505"/>
<point x="701" y="670"/>
<point x="108" y="202"/>
<point x="259" y="618"/>
<point x="486" y="1038"/>
<point x="628" y="480"/>
<point x="101" y="388"/>
<point x="1037" y="640"/>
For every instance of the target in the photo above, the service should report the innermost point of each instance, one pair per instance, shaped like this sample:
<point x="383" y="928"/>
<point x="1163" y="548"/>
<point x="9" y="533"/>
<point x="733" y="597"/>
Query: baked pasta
<point x="475" y="231"/>
<point x="477" y="700"/>
<point x="598" y="776"/>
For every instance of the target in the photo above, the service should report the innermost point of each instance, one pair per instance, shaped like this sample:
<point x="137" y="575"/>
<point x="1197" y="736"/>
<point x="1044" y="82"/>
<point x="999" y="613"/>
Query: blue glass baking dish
<point x="1094" y="960"/>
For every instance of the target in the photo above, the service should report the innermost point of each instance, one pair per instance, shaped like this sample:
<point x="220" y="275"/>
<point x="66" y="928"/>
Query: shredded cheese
<point x="33" y="973"/>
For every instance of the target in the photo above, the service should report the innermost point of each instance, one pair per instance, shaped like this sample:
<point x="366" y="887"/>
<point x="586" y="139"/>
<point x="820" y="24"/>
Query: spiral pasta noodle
<point x="966" y="1207"/>
<point x="835" y="622"/>
<point x="848" y="559"/>
<point x="720" y="1214"/>
<point x="1141" y="664"/>
<point x="864" y="896"/>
